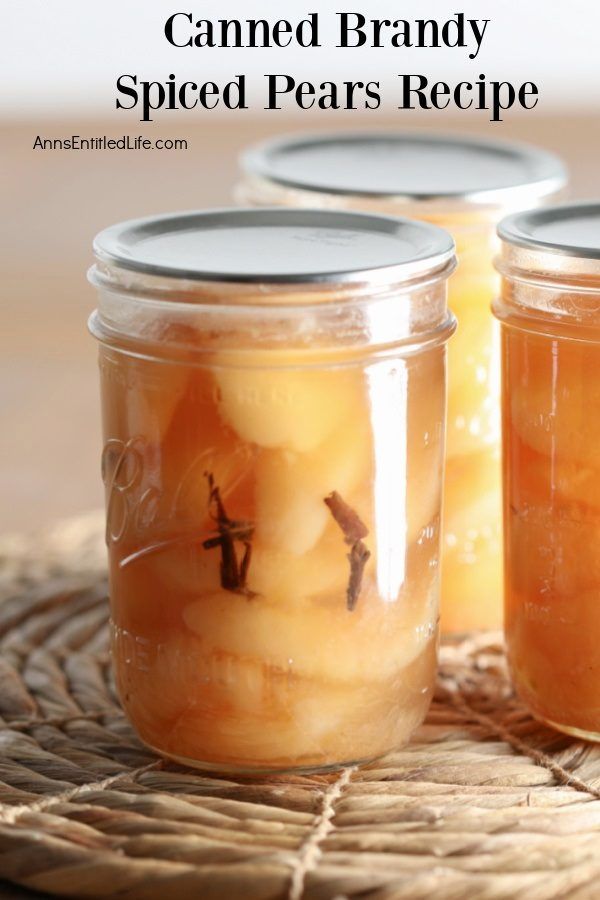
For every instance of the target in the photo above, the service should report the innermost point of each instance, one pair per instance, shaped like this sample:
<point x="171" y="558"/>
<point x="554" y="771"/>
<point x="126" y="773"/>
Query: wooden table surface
<point x="54" y="202"/>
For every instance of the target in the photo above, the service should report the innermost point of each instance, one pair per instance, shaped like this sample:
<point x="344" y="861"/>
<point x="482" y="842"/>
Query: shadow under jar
<point x="273" y="391"/>
<point x="550" y="314"/>
<point x="466" y="185"/>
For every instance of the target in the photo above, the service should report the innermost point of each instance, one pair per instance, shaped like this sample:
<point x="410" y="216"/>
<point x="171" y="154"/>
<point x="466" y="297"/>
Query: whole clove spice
<point x="354" y="530"/>
<point x="234" y="574"/>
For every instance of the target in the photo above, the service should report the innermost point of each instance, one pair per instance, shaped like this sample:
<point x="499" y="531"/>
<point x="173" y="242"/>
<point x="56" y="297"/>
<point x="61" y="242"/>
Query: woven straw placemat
<point x="484" y="802"/>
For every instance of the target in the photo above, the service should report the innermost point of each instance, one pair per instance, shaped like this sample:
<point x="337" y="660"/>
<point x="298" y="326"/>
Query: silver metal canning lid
<point x="571" y="230"/>
<point x="277" y="246"/>
<point x="408" y="166"/>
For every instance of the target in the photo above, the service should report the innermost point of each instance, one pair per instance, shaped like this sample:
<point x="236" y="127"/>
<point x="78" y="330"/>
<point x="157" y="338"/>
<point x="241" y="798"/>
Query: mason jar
<point x="273" y="393"/>
<point x="465" y="185"/>
<point x="550" y="314"/>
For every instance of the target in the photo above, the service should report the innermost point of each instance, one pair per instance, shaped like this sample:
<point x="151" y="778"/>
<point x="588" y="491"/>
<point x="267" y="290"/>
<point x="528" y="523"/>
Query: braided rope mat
<point x="484" y="803"/>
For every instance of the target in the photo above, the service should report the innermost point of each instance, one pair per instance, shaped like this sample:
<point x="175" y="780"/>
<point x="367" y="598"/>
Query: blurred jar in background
<point x="465" y="185"/>
<point x="273" y="391"/>
<point x="550" y="314"/>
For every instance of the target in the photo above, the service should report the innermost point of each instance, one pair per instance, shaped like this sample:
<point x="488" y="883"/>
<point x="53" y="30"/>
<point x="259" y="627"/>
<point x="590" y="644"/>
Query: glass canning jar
<point x="465" y="185"/>
<point x="550" y="314"/>
<point x="273" y="392"/>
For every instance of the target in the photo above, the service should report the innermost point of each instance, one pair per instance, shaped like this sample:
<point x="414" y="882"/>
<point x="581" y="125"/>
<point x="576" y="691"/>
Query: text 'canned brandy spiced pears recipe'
<point x="345" y="31"/>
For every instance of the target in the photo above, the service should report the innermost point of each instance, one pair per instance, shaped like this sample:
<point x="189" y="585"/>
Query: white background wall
<point x="63" y="56"/>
